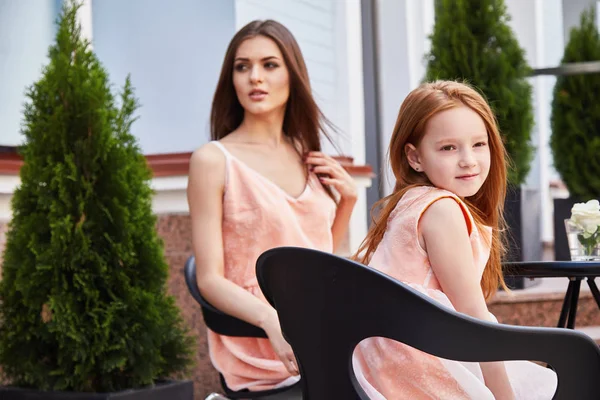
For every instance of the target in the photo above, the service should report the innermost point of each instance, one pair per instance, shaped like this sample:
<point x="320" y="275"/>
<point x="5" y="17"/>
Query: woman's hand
<point x="336" y="175"/>
<point x="281" y="347"/>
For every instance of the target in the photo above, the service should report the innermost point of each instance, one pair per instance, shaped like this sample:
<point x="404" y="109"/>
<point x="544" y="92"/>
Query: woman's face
<point x="260" y="76"/>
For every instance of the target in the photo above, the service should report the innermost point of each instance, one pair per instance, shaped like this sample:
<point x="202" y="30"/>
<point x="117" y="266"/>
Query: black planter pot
<point x="165" y="390"/>
<point x="562" y="211"/>
<point x="522" y="213"/>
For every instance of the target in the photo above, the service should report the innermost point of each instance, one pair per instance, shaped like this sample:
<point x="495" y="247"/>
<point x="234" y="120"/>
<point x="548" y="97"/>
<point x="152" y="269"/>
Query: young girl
<point x="255" y="187"/>
<point x="440" y="232"/>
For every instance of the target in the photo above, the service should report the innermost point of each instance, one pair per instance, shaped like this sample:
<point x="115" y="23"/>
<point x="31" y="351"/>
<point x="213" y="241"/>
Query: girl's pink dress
<point x="258" y="215"/>
<point x="387" y="369"/>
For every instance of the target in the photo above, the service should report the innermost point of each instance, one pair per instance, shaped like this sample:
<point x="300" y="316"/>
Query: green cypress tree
<point x="83" y="302"/>
<point x="575" y="120"/>
<point x="472" y="41"/>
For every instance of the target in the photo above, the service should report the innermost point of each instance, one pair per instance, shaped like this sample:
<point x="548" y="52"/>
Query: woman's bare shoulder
<point x="207" y="156"/>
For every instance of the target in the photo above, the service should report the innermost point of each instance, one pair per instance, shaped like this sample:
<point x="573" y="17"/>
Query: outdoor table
<point x="575" y="271"/>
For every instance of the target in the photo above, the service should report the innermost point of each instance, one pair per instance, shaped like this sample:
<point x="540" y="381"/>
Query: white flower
<point x="586" y="216"/>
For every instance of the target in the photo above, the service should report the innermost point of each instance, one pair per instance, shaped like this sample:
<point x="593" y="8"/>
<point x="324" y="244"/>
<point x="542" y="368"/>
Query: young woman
<point x="262" y="182"/>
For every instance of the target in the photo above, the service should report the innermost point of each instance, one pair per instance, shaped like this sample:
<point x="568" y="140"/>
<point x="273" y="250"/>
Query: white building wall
<point x="26" y="31"/>
<point x="172" y="50"/>
<point x="403" y="29"/>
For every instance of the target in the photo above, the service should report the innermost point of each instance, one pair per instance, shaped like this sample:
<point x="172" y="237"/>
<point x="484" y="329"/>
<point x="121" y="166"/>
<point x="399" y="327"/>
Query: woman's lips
<point x="257" y="95"/>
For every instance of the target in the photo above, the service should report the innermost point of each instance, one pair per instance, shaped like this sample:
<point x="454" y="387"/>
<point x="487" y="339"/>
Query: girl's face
<point x="454" y="152"/>
<point x="260" y="76"/>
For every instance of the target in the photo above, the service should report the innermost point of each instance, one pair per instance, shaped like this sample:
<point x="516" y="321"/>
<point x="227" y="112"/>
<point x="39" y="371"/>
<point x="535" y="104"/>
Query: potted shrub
<point x="575" y="121"/>
<point x="472" y="41"/>
<point x="84" y="311"/>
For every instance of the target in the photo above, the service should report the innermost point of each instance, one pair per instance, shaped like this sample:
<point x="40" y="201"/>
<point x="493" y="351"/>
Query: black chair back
<point x="328" y="304"/>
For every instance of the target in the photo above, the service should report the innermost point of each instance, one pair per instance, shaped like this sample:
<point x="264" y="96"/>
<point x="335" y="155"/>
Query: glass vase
<point x="582" y="248"/>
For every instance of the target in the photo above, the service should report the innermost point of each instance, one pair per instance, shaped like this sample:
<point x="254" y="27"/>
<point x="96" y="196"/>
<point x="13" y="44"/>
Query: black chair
<point x="227" y="325"/>
<point x="327" y="305"/>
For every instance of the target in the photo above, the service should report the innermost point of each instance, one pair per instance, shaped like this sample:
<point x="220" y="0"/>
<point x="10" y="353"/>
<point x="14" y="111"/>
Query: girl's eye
<point x="480" y="144"/>
<point x="271" y="65"/>
<point x="448" y="148"/>
<point x="240" y="67"/>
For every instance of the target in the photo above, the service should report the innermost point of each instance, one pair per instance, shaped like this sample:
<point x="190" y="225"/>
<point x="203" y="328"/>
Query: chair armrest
<point x="216" y="320"/>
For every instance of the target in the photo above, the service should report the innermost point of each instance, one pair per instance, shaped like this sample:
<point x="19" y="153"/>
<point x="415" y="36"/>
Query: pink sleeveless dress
<point x="390" y="370"/>
<point x="258" y="215"/>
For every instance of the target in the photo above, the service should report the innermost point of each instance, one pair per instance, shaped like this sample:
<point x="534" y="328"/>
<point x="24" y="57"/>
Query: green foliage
<point x="83" y="292"/>
<point x="472" y="41"/>
<point x="575" y="139"/>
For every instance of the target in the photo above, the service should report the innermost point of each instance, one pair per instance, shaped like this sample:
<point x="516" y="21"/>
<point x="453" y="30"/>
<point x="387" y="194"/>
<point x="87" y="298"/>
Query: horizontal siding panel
<point x="296" y="9"/>
<point x="325" y="5"/>
<point x="320" y="72"/>
<point x="302" y="30"/>
<point x="317" y="54"/>
<point x="323" y="92"/>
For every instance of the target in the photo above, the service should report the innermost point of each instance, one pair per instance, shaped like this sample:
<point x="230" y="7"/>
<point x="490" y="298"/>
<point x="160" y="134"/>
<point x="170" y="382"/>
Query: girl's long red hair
<point x="486" y="205"/>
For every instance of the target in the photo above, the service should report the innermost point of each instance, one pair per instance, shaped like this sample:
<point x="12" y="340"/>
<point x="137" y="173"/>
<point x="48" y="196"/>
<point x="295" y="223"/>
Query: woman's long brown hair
<point x="303" y="121"/>
<point x="486" y="205"/>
